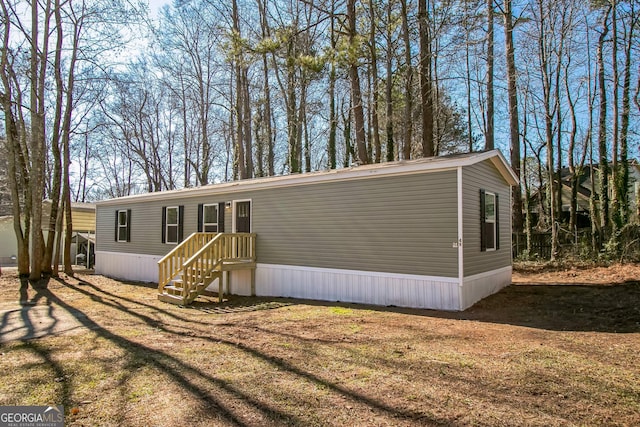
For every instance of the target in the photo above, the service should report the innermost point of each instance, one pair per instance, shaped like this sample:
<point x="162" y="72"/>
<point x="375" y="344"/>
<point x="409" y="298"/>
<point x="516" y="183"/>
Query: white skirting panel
<point x="484" y="284"/>
<point x="365" y="287"/>
<point x="134" y="267"/>
<point x="325" y="284"/>
<point x="240" y="282"/>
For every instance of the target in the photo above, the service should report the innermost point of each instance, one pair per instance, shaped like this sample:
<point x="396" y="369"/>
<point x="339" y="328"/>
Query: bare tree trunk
<point x="489" y="134"/>
<point x="389" y="91"/>
<point x="356" y="95"/>
<point x="623" y="183"/>
<point x="66" y="137"/>
<point x="559" y="111"/>
<point x="185" y="133"/>
<point x="573" y="206"/>
<point x="426" y="84"/>
<point x="333" y="119"/>
<point x="246" y="122"/>
<point x="55" y="150"/>
<point x="576" y="171"/>
<point x="239" y="162"/>
<point x="588" y="148"/>
<point x="514" y="125"/>
<point x="18" y="177"/>
<point x="602" y="126"/>
<point x="266" y="32"/>
<point x="57" y="254"/>
<point x="528" y="223"/>
<point x="596" y="233"/>
<point x="18" y="180"/>
<point x="38" y="65"/>
<point x="467" y="69"/>
<point x="305" y="129"/>
<point x="261" y="139"/>
<point x="377" y="149"/>
<point x="301" y="121"/>
<point x="408" y="101"/>
<point x="348" y="147"/>
<point x="615" y="202"/>
<point x="292" y="119"/>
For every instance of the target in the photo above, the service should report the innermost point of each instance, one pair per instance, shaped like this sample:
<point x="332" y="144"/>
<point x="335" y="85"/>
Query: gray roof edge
<point x="402" y="167"/>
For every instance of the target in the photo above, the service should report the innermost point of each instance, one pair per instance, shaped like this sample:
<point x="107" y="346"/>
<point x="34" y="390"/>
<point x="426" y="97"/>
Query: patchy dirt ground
<point x="575" y="274"/>
<point x="557" y="348"/>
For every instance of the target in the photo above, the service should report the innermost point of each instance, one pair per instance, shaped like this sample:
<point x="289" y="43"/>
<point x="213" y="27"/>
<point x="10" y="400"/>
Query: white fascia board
<point x="406" y="167"/>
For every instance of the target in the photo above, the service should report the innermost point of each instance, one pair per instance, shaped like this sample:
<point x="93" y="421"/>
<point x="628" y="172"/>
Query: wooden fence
<point x="541" y="242"/>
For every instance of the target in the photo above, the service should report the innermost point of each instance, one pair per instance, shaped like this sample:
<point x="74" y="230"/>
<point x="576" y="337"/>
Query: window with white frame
<point x="122" y="234"/>
<point x="210" y="218"/>
<point x="172" y="224"/>
<point x="489" y="221"/>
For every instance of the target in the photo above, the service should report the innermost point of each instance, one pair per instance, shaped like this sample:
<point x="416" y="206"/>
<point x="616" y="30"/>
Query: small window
<point x="489" y="221"/>
<point x="210" y="218"/>
<point x="122" y="226"/>
<point x="172" y="224"/>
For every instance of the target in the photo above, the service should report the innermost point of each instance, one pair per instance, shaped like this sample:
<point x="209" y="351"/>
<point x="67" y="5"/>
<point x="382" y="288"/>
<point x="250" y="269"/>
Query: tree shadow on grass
<point x="611" y="308"/>
<point x="181" y="373"/>
<point x="36" y="316"/>
<point x="176" y="369"/>
<point x="61" y="378"/>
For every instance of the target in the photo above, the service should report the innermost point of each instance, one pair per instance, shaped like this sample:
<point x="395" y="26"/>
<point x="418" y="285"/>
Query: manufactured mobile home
<point x="427" y="233"/>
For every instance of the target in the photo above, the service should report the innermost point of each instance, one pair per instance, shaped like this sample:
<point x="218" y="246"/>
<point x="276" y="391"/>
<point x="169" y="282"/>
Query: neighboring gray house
<point x="584" y="193"/>
<point x="428" y="233"/>
<point x="8" y="242"/>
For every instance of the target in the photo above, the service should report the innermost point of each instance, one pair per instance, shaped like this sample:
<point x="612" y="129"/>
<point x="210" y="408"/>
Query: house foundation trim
<point x="128" y="266"/>
<point x="479" y="286"/>
<point x="327" y="284"/>
<point x="354" y="286"/>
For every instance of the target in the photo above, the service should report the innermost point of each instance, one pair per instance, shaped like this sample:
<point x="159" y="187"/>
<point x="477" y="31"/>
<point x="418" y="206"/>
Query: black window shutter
<point x="117" y="226"/>
<point x="128" y="225"/>
<point x="164" y="224"/>
<point x="221" y="217"/>
<point x="483" y="238"/>
<point x="200" y="217"/>
<point x="497" y="208"/>
<point x="180" y="222"/>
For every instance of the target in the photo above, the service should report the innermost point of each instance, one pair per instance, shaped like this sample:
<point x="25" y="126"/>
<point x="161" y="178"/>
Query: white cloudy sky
<point x="155" y="5"/>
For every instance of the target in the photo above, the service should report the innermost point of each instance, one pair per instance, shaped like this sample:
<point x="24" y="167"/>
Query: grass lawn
<point x="112" y="354"/>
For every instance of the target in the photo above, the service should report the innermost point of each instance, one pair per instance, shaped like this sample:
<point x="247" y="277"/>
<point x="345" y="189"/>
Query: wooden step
<point x="172" y="293"/>
<point x="173" y="290"/>
<point x="171" y="299"/>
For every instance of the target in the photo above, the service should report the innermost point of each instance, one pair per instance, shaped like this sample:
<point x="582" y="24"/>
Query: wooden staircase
<point x="202" y="258"/>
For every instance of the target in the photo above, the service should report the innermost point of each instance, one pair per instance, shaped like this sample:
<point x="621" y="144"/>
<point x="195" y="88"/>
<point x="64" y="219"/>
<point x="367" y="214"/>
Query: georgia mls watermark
<point x="32" y="416"/>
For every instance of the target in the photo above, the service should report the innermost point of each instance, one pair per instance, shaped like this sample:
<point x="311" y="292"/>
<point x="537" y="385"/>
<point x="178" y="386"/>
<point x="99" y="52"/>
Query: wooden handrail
<point x="222" y="248"/>
<point x="172" y="263"/>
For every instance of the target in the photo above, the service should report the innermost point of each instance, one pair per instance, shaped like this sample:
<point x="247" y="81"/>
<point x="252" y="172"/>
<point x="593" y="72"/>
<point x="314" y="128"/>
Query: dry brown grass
<point x="530" y="355"/>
